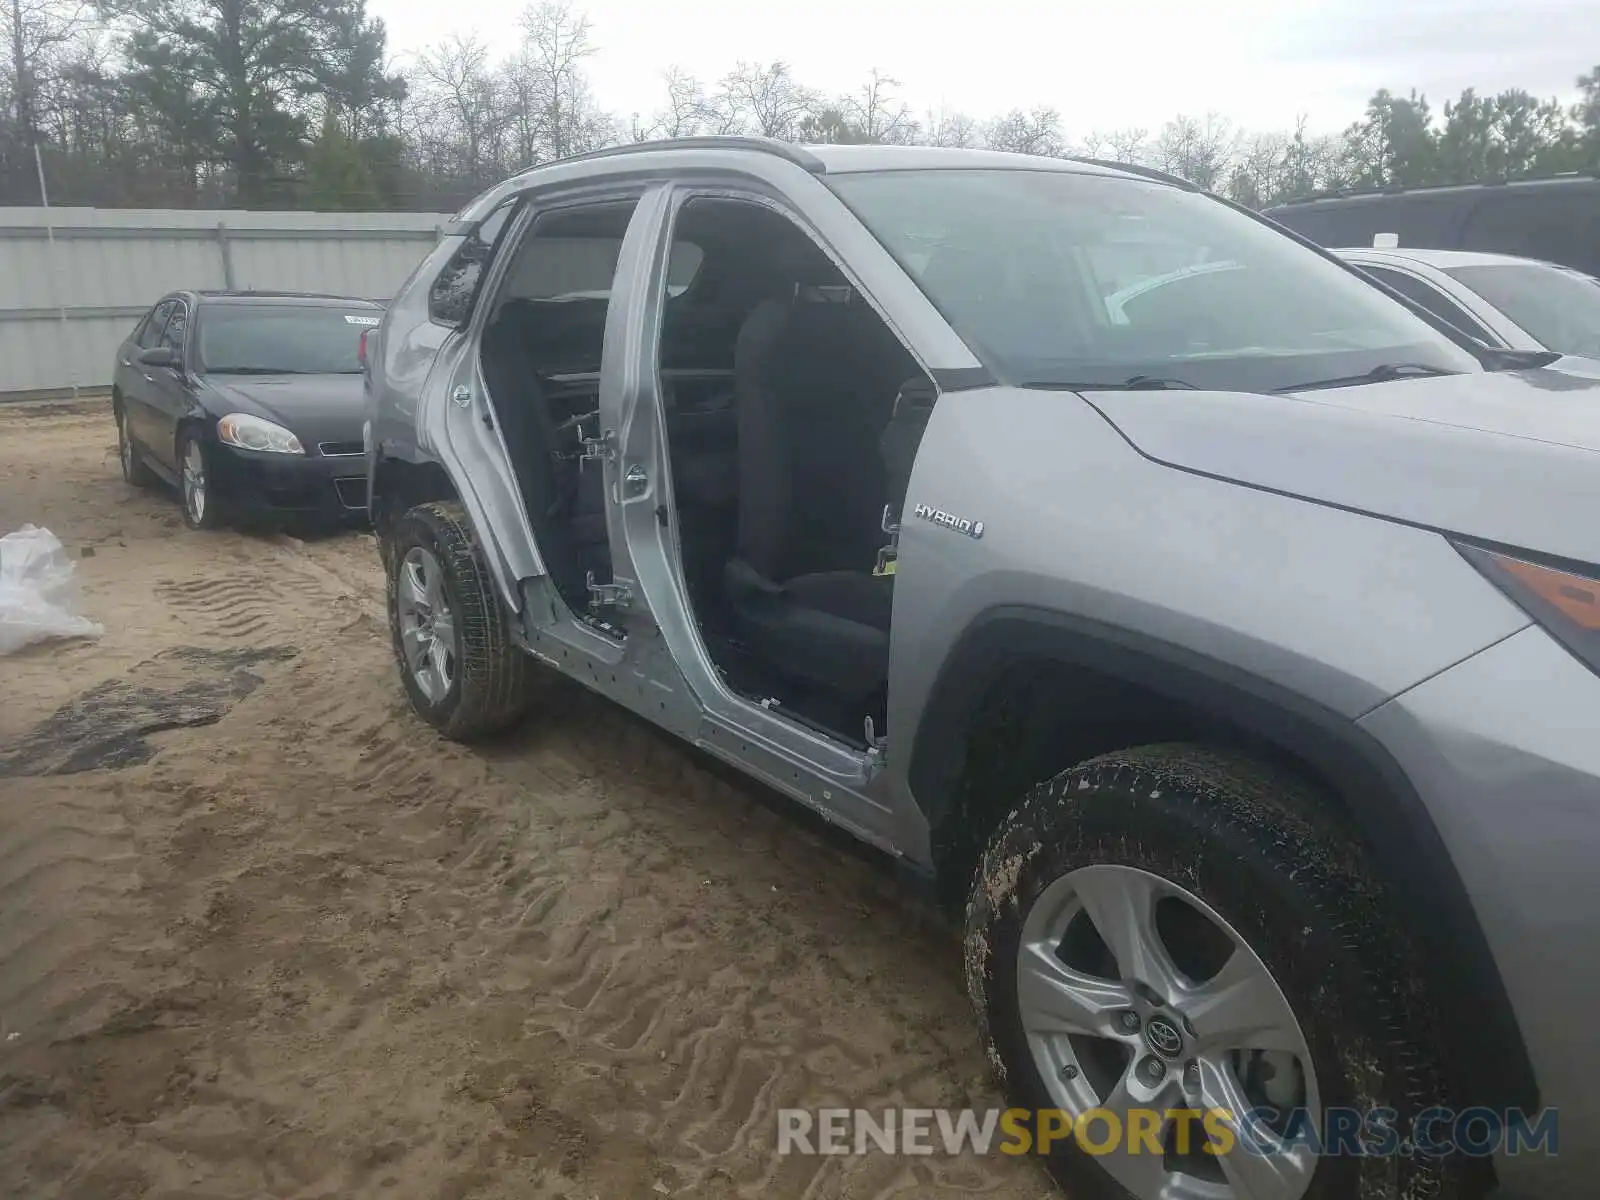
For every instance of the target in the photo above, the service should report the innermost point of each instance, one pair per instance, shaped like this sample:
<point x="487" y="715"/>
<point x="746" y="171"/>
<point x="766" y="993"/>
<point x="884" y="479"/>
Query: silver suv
<point x="1203" y="621"/>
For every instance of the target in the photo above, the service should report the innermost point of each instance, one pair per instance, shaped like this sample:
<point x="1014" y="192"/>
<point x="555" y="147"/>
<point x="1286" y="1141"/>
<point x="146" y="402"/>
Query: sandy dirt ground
<point x="262" y="934"/>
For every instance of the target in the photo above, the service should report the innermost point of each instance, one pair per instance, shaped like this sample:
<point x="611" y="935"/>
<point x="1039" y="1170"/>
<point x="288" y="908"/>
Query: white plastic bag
<point x="38" y="591"/>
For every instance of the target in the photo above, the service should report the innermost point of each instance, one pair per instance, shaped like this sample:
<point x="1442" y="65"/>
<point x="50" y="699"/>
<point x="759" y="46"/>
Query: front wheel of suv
<point x="1171" y="930"/>
<point x="452" y="640"/>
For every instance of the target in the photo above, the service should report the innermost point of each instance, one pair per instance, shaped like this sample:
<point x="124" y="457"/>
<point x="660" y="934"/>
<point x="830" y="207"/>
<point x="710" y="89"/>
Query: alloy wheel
<point x="427" y="626"/>
<point x="124" y="447"/>
<point x="1114" y="1024"/>
<point x="194" y="483"/>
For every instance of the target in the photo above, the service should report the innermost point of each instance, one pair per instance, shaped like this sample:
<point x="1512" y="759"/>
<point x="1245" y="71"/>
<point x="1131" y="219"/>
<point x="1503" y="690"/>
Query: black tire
<point x="1250" y="842"/>
<point x="494" y="681"/>
<point x="211" y="514"/>
<point x="129" y="457"/>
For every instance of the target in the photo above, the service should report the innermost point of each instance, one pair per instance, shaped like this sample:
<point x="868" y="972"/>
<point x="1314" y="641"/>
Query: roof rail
<point x="1398" y="189"/>
<point x="1136" y="169"/>
<point x="798" y="155"/>
<point x="278" y="294"/>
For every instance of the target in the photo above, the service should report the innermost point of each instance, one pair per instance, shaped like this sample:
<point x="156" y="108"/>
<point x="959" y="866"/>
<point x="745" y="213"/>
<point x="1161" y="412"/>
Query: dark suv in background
<point x="1556" y="219"/>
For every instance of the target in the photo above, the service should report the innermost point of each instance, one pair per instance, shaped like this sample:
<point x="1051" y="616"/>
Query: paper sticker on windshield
<point x="350" y="320"/>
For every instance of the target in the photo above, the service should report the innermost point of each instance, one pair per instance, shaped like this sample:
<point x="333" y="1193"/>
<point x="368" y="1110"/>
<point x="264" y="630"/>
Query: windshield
<point x="282" y="339"/>
<point x="1058" y="277"/>
<point x="1560" y="308"/>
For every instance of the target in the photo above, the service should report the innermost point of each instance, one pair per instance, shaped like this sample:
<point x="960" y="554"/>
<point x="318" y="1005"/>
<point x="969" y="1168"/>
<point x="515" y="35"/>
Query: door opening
<point x="540" y="355"/>
<point x="793" y="414"/>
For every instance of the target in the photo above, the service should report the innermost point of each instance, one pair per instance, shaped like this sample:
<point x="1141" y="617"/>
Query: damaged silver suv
<point x="1209" y="625"/>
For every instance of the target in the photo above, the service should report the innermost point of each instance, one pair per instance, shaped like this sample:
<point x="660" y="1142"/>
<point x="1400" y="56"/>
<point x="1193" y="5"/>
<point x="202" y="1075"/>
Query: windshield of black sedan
<point x="1057" y="276"/>
<point x="263" y="339"/>
<point x="1560" y="308"/>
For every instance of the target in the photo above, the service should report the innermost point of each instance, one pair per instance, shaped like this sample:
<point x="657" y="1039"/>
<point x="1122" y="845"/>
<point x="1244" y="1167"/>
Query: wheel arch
<point x="1028" y="692"/>
<point x="399" y="484"/>
<point x="190" y="423"/>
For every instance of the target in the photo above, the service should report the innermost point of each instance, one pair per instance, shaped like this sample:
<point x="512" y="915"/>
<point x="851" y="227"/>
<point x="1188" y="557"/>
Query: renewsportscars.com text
<point x="1437" y="1132"/>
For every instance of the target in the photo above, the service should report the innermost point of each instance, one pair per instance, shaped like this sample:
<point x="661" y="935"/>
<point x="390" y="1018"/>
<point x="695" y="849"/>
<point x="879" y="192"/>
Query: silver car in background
<point x="1502" y="300"/>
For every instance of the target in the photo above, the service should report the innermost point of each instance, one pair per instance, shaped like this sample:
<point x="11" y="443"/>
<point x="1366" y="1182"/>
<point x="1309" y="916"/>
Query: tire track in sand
<point x="351" y="959"/>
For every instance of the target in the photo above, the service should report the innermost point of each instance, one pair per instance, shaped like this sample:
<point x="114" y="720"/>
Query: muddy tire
<point x="1179" y="841"/>
<point x="451" y="635"/>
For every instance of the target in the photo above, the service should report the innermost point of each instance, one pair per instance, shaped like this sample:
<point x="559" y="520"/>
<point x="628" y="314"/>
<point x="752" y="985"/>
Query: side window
<point x="552" y="300"/>
<point x="150" y="331"/>
<point x="177" y="324"/>
<point x="451" y="298"/>
<point x="550" y="266"/>
<point x="1431" y="299"/>
<point x="582" y="268"/>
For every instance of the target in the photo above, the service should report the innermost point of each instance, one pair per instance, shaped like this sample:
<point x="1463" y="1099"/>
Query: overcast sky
<point x="1106" y="65"/>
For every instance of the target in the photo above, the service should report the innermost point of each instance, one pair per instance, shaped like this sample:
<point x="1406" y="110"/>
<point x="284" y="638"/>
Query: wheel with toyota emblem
<point x="1173" y="929"/>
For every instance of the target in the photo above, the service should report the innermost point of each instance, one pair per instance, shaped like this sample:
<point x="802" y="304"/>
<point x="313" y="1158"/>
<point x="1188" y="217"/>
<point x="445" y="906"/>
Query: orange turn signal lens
<point x="1576" y="597"/>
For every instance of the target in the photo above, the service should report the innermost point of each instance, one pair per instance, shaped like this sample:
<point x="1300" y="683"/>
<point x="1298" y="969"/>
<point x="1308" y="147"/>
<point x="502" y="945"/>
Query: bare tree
<point x="685" y="113"/>
<point x="948" y="128"/>
<point x="1199" y="150"/>
<point x="1260" y="170"/>
<point x="878" y="113"/>
<point x="37" y="31"/>
<point x="1127" y="145"/>
<point x="459" y="90"/>
<point x="765" y="99"/>
<point x="1035" y="132"/>
<point x="557" y="106"/>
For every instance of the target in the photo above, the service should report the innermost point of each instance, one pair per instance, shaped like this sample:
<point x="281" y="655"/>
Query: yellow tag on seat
<point x="884" y="568"/>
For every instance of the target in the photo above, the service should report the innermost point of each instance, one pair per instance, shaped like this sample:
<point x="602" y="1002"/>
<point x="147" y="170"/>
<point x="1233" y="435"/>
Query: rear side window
<point x="1431" y="299"/>
<point x="451" y="298"/>
<point x="582" y="268"/>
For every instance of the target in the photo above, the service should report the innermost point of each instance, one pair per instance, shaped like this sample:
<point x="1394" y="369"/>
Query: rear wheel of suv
<point x="451" y="637"/>
<point x="1171" y="928"/>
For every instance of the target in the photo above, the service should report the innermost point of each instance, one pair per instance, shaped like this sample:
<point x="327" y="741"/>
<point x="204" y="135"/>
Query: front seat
<point x="815" y="383"/>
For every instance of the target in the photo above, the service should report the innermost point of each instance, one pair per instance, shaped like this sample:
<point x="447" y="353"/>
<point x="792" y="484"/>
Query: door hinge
<point x="616" y="594"/>
<point x="601" y="449"/>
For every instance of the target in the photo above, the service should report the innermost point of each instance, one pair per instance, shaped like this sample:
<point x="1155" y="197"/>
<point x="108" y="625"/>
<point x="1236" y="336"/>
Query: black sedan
<point x="250" y="404"/>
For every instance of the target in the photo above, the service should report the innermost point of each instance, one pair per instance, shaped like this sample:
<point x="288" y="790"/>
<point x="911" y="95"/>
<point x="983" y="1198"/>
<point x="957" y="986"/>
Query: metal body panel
<point x="1502" y="456"/>
<point x="1502" y="750"/>
<point x="1333" y="606"/>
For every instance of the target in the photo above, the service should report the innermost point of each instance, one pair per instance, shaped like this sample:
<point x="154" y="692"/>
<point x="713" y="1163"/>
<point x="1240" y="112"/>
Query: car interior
<point x="793" y="417"/>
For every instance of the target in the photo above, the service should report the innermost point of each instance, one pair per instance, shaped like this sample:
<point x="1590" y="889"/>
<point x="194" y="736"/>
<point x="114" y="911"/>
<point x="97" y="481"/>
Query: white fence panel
<point x="74" y="280"/>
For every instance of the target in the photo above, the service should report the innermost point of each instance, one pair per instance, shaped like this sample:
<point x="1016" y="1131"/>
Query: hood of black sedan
<point x="315" y="408"/>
